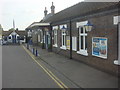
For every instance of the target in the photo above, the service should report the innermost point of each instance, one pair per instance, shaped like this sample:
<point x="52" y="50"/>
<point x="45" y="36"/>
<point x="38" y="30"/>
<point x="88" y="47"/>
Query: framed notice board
<point x="99" y="47"/>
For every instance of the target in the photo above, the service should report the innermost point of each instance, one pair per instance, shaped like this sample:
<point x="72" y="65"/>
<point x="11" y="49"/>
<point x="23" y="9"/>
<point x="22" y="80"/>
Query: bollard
<point x="36" y="54"/>
<point x="33" y="51"/>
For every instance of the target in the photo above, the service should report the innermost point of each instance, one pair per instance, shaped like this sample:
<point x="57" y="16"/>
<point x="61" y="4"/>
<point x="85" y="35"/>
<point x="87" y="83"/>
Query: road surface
<point x="20" y="71"/>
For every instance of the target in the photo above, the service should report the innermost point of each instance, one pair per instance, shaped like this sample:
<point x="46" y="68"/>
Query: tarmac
<point x="81" y="74"/>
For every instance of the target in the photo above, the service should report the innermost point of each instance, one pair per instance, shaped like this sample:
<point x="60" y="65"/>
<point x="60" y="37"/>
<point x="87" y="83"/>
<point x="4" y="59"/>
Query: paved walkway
<point x="80" y="73"/>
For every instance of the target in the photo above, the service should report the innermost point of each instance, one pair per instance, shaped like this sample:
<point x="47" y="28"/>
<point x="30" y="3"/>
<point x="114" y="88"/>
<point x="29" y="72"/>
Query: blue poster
<point x="99" y="47"/>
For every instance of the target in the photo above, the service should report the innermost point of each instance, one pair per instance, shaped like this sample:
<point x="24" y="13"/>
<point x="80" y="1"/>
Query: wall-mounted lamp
<point x="64" y="28"/>
<point x="88" y="26"/>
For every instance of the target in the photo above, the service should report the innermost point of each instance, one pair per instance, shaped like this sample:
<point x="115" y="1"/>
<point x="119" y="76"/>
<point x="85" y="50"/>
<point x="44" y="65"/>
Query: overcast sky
<point x="24" y="12"/>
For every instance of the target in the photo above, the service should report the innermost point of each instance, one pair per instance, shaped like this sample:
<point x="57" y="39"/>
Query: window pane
<point x="81" y="29"/>
<point x="85" y="42"/>
<point x="81" y="42"/>
<point x="63" y="40"/>
<point x="85" y="31"/>
<point x="63" y="32"/>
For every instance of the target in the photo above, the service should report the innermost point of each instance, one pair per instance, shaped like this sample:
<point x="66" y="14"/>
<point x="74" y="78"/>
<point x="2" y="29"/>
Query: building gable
<point x="13" y="33"/>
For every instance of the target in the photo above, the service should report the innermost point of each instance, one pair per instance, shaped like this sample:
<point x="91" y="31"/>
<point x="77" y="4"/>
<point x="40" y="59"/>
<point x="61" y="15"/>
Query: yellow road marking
<point x="56" y="80"/>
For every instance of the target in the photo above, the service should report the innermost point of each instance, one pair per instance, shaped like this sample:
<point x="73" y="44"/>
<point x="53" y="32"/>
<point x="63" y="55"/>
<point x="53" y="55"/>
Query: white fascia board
<point x="61" y="26"/>
<point x="78" y="24"/>
<point x="13" y="33"/>
<point x="55" y="27"/>
<point x="40" y="24"/>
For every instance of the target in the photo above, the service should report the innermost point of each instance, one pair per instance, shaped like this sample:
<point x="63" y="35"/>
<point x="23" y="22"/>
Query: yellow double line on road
<point x="48" y="72"/>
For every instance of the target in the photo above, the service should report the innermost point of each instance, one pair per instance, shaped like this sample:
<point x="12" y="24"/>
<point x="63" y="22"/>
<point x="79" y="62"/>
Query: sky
<point x="25" y="12"/>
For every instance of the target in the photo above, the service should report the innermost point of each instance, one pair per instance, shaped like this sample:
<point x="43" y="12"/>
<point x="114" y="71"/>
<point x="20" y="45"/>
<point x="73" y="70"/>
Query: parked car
<point x="0" y="42"/>
<point x="4" y="42"/>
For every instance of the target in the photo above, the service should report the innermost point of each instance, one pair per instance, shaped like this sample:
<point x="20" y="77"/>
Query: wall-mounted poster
<point x="68" y="42"/>
<point x="99" y="47"/>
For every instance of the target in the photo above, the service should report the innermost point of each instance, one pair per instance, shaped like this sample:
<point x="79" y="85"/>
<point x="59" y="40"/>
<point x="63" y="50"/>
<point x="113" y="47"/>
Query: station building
<point x="66" y="33"/>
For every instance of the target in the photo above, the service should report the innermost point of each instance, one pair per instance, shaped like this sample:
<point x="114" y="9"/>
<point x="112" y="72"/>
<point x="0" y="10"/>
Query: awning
<point x="39" y="24"/>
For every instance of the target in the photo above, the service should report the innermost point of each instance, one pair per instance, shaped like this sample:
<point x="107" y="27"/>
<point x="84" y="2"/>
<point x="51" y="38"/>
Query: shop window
<point x="82" y="41"/>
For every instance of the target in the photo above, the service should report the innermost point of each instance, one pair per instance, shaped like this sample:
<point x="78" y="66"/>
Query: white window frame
<point x="55" y="29"/>
<point x="116" y="20"/>
<point x="82" y="51"/>
<point x="63" y="33"/>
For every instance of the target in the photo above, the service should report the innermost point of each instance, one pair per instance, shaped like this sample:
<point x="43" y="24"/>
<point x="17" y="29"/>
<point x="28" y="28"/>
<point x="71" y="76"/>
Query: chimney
<point x="52" y="9"/>
<point x="45" y="12"/>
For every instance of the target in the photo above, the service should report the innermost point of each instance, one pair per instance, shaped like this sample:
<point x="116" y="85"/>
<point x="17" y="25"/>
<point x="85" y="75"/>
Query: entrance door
<point x="13" y="38"/>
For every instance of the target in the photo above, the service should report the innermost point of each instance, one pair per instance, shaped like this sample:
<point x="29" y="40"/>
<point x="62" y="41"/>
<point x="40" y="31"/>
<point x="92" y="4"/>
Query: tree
<point x="16" y="29"/>
<point x="12" y="29"/>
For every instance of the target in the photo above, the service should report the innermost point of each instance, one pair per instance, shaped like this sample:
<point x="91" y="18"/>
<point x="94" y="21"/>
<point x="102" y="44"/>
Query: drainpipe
<point x="117" y="62"/>
<point x="119" y="43"/>
<point x="70" y="40"/>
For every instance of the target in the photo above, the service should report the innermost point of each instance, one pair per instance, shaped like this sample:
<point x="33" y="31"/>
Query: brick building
<point x="67" y="35"/>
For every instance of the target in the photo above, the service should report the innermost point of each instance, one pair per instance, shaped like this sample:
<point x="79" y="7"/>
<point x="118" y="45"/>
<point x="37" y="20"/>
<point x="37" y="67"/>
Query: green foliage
<point x="12" y="29"/>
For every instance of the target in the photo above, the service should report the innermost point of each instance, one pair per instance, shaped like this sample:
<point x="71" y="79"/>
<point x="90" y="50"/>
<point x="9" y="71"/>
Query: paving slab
<point x="80" y="73"/>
